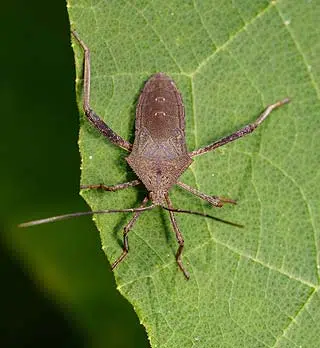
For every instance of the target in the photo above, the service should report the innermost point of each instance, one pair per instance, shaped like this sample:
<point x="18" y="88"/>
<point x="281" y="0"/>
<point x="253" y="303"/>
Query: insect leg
<point x="179" y="238"/>
<point x="91" y="115"/>
<point x="113" y="187"/>
<point x="213" y="200"/>
<point x="241" y="132"/>
<point x="126" y="230"/>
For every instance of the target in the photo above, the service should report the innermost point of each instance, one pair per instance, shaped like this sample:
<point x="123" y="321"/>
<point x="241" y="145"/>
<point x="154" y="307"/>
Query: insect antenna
<point x="184" y="211"/>
<point x="83" y="213"/>
<point x="129" y="210"/>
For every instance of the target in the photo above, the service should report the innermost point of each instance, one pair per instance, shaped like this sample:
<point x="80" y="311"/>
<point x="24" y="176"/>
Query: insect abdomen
<point x="160" y="108"/>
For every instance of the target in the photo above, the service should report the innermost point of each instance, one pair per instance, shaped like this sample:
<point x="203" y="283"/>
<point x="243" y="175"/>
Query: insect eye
<point x="177" y="133"/>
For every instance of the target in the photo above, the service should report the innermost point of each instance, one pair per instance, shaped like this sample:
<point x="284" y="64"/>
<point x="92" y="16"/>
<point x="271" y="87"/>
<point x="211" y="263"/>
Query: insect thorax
<point x="158" y="175"/>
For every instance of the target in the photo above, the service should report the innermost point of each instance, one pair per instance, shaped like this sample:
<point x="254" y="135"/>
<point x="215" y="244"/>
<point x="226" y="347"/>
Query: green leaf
<point x="251" y="287"/>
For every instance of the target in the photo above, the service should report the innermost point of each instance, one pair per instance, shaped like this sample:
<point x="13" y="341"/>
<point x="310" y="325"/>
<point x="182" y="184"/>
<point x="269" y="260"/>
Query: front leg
<point x="241" y="132"/>
<point x="113" y="187"/>
<point x="126" y="230"/>
<point x="91" y="115"/>
<point x="213" y="200"/>
<point x="179" y="238"/>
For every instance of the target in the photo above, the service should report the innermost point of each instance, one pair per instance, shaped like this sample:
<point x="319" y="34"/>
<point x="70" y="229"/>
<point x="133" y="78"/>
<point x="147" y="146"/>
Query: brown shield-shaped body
<point x="159" y="154"/>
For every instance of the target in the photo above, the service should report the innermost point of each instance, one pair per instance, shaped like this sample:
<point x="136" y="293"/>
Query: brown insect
<point x="159" y="153"/>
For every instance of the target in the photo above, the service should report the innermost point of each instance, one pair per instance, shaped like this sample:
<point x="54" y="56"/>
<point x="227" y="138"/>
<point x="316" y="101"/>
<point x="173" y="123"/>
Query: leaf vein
<point x="303" y="195"/>
<point x="299" y="49"/>
<point x="231" y="39"/>
<point x="156" y="33"/>
<point x="293" y="321"/>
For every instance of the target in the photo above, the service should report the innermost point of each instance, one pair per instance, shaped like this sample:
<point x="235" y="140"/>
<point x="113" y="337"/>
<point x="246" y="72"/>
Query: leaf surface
<point x="251" y="287"/>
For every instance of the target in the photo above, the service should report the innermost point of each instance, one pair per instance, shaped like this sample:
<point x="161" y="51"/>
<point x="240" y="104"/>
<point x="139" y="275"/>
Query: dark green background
<point x="57" y="289"/>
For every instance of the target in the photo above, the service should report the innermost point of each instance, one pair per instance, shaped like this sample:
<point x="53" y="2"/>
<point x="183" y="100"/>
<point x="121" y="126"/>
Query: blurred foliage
<point x="57" y="289"/>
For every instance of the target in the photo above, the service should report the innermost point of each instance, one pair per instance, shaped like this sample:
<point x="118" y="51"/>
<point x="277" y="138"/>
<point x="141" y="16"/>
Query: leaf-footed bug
<point x="159" y="153"/>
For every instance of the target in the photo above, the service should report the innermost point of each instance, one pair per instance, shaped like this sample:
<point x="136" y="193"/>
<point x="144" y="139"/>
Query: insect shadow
<point x="158" y="155"/>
